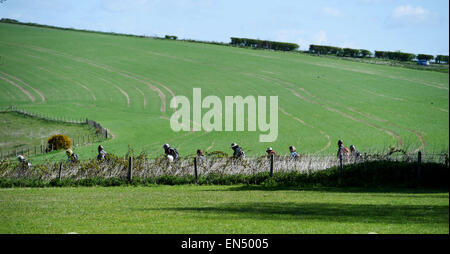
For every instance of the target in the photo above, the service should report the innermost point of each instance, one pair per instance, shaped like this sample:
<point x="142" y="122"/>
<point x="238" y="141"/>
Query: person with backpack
<point x="71" y="156"/>
<point x="270" y="152"/>
<point x="23" y="163"/>
<point x="238" y="153"/>
<point x="354" y="153"/>
<point x="293" y="151"/>
<point x="200" y="155"/>
<point x="101" y="153"/>
<point x="171" y="153"/>
<point x="342" y="150"/>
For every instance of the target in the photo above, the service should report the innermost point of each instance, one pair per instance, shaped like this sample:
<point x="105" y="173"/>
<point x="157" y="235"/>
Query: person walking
<point x="101" y="153"/>
<point x="270" y="152"/>
<point x="171" y="153"/>
<point x="238" y="153"/>
<point x="200" y="156"/>
<point x="342" y="150"/>
<point x="355" y="154"/>
<point x="23" y="163"/>
<point x="71" y="156"/>
<point x="293" y="151"/>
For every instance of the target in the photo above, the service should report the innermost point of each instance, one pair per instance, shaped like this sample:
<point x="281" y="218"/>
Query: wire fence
<point x="33" y="150"/>
<point x="144" y="167"/>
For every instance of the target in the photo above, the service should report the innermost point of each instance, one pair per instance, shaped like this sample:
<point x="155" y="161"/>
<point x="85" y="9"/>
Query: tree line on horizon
<point x="282" y="46"/>
<point x="362" y="53"/>
<point x="263" y="44"/>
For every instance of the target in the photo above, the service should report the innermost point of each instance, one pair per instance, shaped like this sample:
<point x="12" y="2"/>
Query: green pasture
<point x="222" y="209"/>
<point x="25" y="134"/>
<point x="126" y="84"/>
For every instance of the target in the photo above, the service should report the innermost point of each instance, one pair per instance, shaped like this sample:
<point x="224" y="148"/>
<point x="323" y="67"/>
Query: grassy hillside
<point x="126" y="84"/>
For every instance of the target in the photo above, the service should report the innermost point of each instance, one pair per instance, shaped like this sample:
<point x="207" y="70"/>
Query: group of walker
<point x="238" y="153"/>
<point x="172" y="154"/>
<point x="71" y="157"/>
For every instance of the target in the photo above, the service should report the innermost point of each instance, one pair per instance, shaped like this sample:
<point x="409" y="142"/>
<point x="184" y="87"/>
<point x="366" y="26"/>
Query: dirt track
<point x="30" y="96"/>
<point x="123" y="73"/>
<point x="19" y="80"/>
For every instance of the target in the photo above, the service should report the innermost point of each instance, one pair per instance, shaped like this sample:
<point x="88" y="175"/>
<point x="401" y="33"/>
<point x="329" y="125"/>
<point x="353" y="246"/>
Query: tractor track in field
<point x="143" y="95"/>
<point x="308" y="125"/>
<point x="75" y="91"/>
<point x="120" y="89"/>
<point x="434" y="85"/>
<point x="161" y="95"/>
<point x="30" y="96"/>
<point x="155" y="82"/>
<point x="383" y="95"/>
<point x="26" y="84"/>
<point x="381" y="120"/>
<point x="442" y="109"/>
<point x="211" y="146"/>
<point x="415" y="132"/>
<point x="87" y="89"/>
<point x="121" y="72"/>
<point x="321" y="104"/>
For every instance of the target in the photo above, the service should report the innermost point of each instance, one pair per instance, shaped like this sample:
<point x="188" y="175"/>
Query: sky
<point x="413" y="26"/>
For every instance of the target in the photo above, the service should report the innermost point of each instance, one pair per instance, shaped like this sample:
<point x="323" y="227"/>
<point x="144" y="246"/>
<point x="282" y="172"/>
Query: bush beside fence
<point x="100" y="134"/>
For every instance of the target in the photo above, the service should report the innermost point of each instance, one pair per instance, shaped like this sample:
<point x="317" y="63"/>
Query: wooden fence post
<point x="60" y="170"/>
<point x="195" y="170"/>
<point x="419" y="170"/>
<point x="271" y="165"/>
<point x="130" y="169"/>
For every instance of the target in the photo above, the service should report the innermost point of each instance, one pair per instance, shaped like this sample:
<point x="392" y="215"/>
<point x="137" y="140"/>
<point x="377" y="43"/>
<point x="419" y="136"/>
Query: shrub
<point x="59" y="141"/>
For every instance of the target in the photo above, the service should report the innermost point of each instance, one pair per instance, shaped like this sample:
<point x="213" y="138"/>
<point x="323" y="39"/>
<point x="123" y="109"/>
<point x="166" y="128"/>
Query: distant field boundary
<point x="443" y="68"/>
<point x="101" y="132"/>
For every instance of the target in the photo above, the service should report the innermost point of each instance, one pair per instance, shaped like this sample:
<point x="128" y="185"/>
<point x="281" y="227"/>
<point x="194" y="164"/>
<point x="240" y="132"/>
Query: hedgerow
<point x="371" y="174"/>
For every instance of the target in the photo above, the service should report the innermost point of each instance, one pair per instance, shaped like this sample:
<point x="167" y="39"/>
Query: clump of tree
<point x="6" y="20"/>
<point x="397" y="55"/>
<point x="325" y="50"/>
<point x="263" y="44"/>
<point x="171" y="37"/>
<point x="425" y="57"/>
<point x="59" y="141"/>
<point x="441" y="58"/>
<point x="365" y="53"/>
<point x="330" y="50"/>
<point x="351" y="52"/>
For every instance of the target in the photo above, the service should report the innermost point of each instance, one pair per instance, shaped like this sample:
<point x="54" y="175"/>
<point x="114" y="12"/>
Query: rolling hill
<point x="126" y="84"/>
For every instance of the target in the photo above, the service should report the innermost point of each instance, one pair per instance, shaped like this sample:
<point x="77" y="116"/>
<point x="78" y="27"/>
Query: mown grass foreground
<point x="222" y="209"/>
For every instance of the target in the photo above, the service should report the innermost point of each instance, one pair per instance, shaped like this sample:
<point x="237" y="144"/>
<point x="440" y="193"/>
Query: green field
<point x="19" y="132"/>
<point x="222" y="209"/>
<point x="126" y="84"/>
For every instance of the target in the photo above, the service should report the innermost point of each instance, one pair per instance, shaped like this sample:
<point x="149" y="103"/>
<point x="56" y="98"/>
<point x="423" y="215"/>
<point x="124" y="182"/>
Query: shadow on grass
<point x="353" y="213"/>
<point x="343" y="189"/>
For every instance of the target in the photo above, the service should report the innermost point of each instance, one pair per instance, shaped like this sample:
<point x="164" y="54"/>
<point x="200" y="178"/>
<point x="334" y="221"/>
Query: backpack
<point x="174" y="153"/>
<point x="74" y="157"/>
<point x="239" y="153"/>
